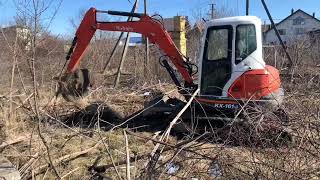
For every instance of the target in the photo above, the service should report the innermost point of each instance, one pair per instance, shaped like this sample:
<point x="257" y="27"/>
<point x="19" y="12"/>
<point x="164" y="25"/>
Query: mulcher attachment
<point x="74" y="85"/>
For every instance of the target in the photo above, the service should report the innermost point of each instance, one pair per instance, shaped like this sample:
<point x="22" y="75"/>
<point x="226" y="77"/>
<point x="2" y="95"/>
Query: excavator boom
<point x="146" y="25"/>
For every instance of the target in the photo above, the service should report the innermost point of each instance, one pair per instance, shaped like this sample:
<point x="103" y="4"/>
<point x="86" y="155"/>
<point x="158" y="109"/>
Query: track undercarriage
<point x="252" y="120"/>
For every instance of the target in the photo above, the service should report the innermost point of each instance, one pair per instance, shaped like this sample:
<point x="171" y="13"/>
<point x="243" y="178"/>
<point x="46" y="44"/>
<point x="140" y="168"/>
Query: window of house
<point x="299" y="31"/>
<point x="246" y="41"/>
<point x="282" y="32"/>
<point x="298" y="21"/>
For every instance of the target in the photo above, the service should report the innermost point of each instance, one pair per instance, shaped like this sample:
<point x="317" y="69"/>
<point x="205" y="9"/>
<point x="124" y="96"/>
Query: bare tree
<point x="37" y="15"/>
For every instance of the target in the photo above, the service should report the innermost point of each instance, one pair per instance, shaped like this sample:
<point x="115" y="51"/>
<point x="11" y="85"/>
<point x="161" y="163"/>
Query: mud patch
<point x="105" y="117"/>
<point x="95" y="115"/>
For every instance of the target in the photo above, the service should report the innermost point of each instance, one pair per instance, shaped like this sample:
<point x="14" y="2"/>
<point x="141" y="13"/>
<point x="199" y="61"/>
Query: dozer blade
<point x="74" y="85"/>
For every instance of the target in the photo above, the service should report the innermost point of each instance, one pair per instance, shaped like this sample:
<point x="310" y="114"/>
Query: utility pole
<point x="247" y="7"/>
<point x="113" y="52"/>
<point x="212" y="8"/>
<point x="277" y="33"/>
<point x="147" y="45"/>
<point x="125" y="49"/>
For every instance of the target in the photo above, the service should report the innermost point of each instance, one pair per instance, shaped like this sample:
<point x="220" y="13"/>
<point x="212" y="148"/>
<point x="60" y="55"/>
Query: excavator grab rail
<point x="122" y="13"/>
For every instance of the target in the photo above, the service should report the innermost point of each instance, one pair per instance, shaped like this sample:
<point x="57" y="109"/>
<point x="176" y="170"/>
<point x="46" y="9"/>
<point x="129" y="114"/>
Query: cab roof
<point x="235" y="20"/>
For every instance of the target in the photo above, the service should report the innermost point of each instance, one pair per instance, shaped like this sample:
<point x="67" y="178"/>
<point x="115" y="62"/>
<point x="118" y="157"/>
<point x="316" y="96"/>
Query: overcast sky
<point x="167" y="8"/>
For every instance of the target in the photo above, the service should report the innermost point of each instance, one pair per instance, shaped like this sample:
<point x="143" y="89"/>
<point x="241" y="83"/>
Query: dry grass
<point x="203" y="158"/>
<point x="297" y="160"/>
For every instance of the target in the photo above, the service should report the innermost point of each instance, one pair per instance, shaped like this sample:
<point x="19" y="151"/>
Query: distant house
<point x="21" y="34"/>
<point x="16" y="30"/>
<point x="293" y="27"/>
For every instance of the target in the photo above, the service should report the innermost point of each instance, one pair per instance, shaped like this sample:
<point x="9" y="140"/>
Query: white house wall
<point x="309" y="25"/>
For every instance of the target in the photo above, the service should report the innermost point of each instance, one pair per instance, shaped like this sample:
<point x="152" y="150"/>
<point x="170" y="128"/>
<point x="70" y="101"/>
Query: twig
<point x="47" y="149"/>
<point x="107" y="149"/>
<point x="177" y="146"/>
<point x="103" y="168"/>
<point x="155" y="152"/>
<point x="174" y="121"/>
<point x="27" y="165"/>
<point x="127" y="155"/>
<point x="12" y="142"/>
<point x="69" y="173"/>
<point x="65" y="158"/>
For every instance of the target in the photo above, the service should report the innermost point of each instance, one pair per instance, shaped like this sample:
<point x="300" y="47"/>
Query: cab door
<point x="216" y="63"/>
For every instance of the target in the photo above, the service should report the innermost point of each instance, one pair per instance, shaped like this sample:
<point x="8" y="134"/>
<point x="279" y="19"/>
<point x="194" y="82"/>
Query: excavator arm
<point x="146" y="25"/>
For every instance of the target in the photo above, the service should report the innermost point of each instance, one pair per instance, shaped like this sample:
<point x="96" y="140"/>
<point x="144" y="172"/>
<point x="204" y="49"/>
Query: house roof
<point x="296" y="12"/>
<point x="15" y="26"/>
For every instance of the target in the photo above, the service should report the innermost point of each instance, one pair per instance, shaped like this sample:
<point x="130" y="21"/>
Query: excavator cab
<point x="231" y="47"/>
<point x="232" y="66"/>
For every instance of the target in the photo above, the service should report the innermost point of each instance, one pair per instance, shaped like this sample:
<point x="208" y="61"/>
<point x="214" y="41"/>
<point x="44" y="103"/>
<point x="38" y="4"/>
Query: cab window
<point x="218" y="41"/>
<point x="246" y="41"/>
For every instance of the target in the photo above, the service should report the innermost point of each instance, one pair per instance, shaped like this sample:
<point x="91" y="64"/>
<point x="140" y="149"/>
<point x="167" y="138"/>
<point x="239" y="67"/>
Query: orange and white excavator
<point x="231" y="69"/>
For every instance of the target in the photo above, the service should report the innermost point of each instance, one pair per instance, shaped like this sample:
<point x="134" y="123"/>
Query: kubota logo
<point x="123" y="28"/>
